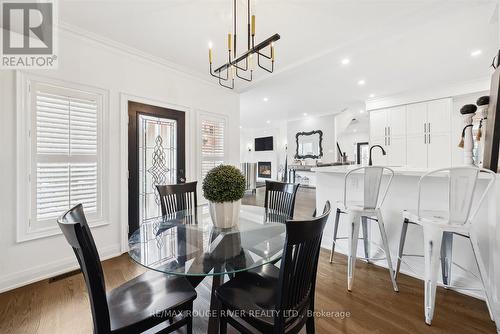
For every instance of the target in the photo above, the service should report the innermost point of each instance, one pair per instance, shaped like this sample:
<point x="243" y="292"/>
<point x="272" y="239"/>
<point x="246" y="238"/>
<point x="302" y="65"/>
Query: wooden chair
<point x="278" y="300"/>
<point x="178" y="197"/>
<point x="279" y="200"/>
<point x="139" y="304"/>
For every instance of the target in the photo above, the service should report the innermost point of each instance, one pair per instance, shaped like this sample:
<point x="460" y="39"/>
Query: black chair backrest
<point x="76" y="230"/>
<point x="299" y="264"/>
<point x="280" y="199"/>
<point x="177" y="197"/>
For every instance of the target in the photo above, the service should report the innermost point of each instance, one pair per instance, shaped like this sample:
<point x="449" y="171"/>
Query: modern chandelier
<point x="236" y="66"/>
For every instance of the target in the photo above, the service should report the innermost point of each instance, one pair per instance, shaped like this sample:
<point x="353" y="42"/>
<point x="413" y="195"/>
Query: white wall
<point x="324" y="123"/>
<point x="276" y="157"/>
<point x="90" y="62"/>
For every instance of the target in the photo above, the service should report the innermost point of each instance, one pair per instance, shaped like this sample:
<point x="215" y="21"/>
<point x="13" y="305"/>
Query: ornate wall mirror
<point x="309" y="145"/>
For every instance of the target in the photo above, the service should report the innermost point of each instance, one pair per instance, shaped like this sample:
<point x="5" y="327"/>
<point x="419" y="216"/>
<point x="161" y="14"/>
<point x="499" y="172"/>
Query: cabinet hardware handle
<point x="385" y="130"/>
<point x="429" y="127"/>
<point x="389" y="131"/>
<point x="429" y="138"/>
<point x="425" y="130"/>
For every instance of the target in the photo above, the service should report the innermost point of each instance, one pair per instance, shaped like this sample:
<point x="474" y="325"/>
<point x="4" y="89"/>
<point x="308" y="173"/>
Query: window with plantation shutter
<point x="66" y="148"/>
<point x="213" y="148"/>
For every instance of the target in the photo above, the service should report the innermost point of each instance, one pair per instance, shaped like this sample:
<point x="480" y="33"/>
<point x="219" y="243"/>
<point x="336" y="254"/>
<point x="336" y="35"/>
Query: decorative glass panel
<point x="157" y="161"/>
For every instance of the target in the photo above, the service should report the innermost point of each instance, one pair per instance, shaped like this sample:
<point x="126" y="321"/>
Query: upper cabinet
<point x="429" y="134"/>
<point x="387" y="129"/>
<point x="417" y="135"/>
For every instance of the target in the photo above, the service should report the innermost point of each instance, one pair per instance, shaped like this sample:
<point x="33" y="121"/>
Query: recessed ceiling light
<point x="268" y="121"/>
<point x="372" y="95"/>
<point x="361" y="82"/>
<point x="476" y="53"/>
<point x="305" y="114"/>
<point x="361" y="111"/>
<point x="241" y="127"/>
<point x="345" y="61"/>
<point x="265" y="99"/>
<point x="355" y="130"/>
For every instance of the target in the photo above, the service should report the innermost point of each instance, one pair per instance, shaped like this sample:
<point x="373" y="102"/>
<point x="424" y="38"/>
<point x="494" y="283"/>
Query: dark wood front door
<point x="156" y="155"/>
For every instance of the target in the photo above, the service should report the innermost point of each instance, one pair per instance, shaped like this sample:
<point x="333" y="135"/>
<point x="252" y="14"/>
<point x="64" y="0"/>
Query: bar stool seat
<point x="436" y="218"/>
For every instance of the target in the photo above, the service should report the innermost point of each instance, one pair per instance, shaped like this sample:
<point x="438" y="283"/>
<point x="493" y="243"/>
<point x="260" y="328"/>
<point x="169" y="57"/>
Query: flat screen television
<point x="264" y="144"/>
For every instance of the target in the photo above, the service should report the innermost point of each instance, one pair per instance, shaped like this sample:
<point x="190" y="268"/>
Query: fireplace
<point x="264" y="169"/>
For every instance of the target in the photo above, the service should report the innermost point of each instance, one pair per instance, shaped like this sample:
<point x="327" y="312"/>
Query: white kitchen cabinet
<point x="388" y="129"/>
<point x="416" y="151"/>
<point x="416" y="119"/>
<point x="429" y="134"/>
<point x="439" y="150"/>
<point x="396" y="121"/>
<point x="417" y="135"/>
<point x="439" y="116"/>
<point x="378" y="123"/>
<point x="396" y="151"/>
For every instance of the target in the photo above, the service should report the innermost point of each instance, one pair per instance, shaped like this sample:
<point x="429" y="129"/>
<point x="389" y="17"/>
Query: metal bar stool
<point x="367" y="210"/>
<point x="440" y="226"/>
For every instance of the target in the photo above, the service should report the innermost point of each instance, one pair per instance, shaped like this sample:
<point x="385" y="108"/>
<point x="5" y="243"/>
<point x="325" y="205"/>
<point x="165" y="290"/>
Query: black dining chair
<point x="278" y="300"/>
<point x="139" y="304"/>
<point x="279" y="200"/>
<point x="178" y="197"/>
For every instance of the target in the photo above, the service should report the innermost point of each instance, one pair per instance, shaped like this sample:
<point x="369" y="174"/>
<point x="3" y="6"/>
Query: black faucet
<point x="370" y="163"/>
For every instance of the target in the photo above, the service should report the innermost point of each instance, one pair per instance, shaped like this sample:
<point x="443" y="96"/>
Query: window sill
<point x="39" y="233"/>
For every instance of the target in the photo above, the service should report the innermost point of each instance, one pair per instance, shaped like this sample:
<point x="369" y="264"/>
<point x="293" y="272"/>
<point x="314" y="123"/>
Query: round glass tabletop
<point x="187" y="243"/>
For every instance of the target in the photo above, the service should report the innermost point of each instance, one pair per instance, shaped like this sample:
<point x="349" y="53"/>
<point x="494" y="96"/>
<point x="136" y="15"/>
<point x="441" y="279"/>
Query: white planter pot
<point x="225" y="214"/>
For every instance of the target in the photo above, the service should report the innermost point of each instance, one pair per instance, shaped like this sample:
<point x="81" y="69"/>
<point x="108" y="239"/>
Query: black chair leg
<point x="222" y="325"/>
<point x="401" y="246"/>
<point x="189" y="319"/>
<point x="310" y="325"/>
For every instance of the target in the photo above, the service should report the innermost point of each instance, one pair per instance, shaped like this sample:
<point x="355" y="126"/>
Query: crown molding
<point x="133" y="52"/>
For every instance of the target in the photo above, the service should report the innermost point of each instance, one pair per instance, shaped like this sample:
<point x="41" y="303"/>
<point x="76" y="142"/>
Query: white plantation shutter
<point x="66" y="147"/>
<point x="212" y="143"/>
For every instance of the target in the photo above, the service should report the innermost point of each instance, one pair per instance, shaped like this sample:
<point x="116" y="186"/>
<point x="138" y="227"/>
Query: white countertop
<point x="398" y="170"/>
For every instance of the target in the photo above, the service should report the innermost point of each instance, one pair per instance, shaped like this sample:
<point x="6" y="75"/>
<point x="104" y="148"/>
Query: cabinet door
<point x="396" y="151"/>
<point x="377" y="157"/>
<point x="416" y="117"/>
<point x="416" y="151"/>
<point x="439" y="150"/>
<point x="378" y="123"/>
<point x="396" y="121"/>
<point x="439" y="116"/>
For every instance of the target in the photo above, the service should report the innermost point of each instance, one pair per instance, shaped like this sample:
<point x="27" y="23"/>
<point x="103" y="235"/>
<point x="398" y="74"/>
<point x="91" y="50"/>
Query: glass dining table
<point x="186" y="243"/>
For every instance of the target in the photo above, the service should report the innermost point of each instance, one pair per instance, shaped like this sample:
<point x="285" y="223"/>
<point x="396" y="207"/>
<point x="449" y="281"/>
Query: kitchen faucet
<point x="370" y="163"/>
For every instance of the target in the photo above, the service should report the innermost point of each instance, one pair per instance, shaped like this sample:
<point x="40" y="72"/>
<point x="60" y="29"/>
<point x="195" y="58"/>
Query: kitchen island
<point x="403" y="195"/>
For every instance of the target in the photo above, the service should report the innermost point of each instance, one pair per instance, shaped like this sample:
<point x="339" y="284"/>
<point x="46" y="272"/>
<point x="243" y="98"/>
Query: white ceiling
<point x="395" y="45"/>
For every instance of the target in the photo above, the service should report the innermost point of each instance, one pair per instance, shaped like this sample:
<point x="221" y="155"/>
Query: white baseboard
<point x="48" y="270"/>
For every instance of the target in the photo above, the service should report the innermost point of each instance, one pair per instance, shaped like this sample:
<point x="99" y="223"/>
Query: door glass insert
<point x="157" y="161"/>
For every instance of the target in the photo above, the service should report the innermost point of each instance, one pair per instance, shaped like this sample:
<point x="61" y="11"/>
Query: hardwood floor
<point x="372" y="307"/>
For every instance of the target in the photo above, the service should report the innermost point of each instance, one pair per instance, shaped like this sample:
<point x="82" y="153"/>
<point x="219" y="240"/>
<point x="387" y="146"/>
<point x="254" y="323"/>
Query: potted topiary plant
<point x="224" y="187"/>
